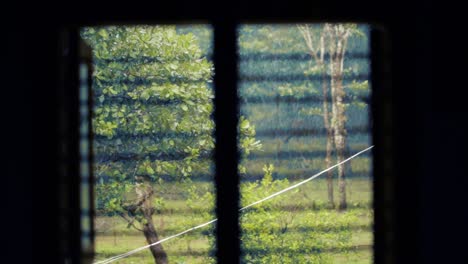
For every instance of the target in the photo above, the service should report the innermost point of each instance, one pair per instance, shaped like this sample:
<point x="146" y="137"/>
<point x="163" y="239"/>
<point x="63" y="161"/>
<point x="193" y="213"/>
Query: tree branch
<point x="130" y="221"/>
<point x="305" y="32"/>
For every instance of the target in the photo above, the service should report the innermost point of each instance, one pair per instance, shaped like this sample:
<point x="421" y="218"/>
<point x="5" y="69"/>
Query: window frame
<point x="225" y="116"/>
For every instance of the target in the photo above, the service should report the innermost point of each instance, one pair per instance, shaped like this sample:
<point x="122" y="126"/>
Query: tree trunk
<point x="151" y="236"/>
<point x="145" y="196"/>
<point x="340" y="134"/>
<point x="331" y="199"/>
<point x="320" y="61"/>
<point x="326" y="120"/>
<point x="339" y="141"/>
<point x="277" y="134"/>
<point x="337" y="51"/>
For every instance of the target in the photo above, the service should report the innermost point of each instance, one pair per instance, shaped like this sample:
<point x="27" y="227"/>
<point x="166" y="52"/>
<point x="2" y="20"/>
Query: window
<point x="153" y="137"/>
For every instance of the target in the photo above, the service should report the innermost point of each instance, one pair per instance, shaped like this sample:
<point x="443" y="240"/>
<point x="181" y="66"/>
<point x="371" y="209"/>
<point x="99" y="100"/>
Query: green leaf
<point x="145" y="95"/>
<point x="103" y="34"/>
<point x="149" y="170"/>
<point x="244" y="124"/>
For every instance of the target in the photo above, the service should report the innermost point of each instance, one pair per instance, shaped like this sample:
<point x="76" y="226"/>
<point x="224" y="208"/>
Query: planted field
<point x="296" y="227"/>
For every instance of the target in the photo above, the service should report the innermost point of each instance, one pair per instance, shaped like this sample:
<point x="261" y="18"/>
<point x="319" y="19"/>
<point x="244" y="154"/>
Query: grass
<point x="113" y="237"/>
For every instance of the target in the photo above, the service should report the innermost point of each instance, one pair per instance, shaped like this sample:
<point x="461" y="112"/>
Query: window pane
<point x="85" y="192"/>
<point x="305" y="92"/>
<point x="152" y="141"/>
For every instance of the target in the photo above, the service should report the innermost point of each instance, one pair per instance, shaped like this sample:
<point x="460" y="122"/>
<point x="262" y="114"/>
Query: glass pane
<point x="152" y="142"/>
<point x="305" y="92"/>
<point x="85" y="192"/>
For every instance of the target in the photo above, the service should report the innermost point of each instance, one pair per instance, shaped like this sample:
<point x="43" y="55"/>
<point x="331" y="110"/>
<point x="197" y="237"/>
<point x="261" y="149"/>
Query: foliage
<point x="152" y="123"/>
<point x="152" y="117"/>
<point x="312" y="218"/>
<point x="270" y="234"/>
<point x="281" y="56"/>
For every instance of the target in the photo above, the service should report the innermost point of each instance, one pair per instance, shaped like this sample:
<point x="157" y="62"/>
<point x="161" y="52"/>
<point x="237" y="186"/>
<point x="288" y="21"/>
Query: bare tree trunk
<point x="320" y="61"/>
<point x="339" y="142"/>
<point x="337" y="35"/>
<point x="331" y="200"/>
<point x="326" y="120"/>
<point x="277" y="137"/>
<point x="338" y="38"/>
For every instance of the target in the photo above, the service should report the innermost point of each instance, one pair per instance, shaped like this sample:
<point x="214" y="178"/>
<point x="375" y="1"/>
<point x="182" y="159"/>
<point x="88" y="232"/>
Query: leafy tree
<point x="151" y="121"/>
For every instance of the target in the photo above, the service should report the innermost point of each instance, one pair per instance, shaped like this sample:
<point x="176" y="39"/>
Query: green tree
<point x="151" y="120"/>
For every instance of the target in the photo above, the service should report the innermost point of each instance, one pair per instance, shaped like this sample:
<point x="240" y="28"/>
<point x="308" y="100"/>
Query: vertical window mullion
<point x="383" y="185"/>
<point x="69" y="149"/>
<point x="87" y="153"/>
<point x="226" y="151"/>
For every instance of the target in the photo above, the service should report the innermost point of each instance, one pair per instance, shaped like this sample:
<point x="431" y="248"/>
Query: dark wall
<point x="429" y="106"/>
<point x="16" y="148"/>
<point x="29" y="136"/>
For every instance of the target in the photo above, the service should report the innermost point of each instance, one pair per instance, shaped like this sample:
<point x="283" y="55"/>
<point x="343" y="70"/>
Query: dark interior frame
<point x="226" y="109"/>
<point x="226" y="152"/>
<point x="415" y="126"/>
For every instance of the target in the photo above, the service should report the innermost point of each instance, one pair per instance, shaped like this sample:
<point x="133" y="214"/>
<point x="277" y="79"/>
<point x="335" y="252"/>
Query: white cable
<point x="112" y="259"/>
<point x="306" y="180"/>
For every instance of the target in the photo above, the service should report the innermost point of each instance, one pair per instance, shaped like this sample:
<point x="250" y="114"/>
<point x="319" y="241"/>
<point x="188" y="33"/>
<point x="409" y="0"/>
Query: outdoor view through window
<point x="304" y="93"/>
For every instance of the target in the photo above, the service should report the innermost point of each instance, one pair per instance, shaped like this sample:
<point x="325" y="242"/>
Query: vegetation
<point x="153" y="94"/>
<point x="302" y="220"/>
<point x="152" y="119"/>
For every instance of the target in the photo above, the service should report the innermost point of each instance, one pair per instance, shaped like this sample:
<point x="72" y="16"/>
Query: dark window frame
<point x="426" y="133"/>
<point x="226" y="105"/>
